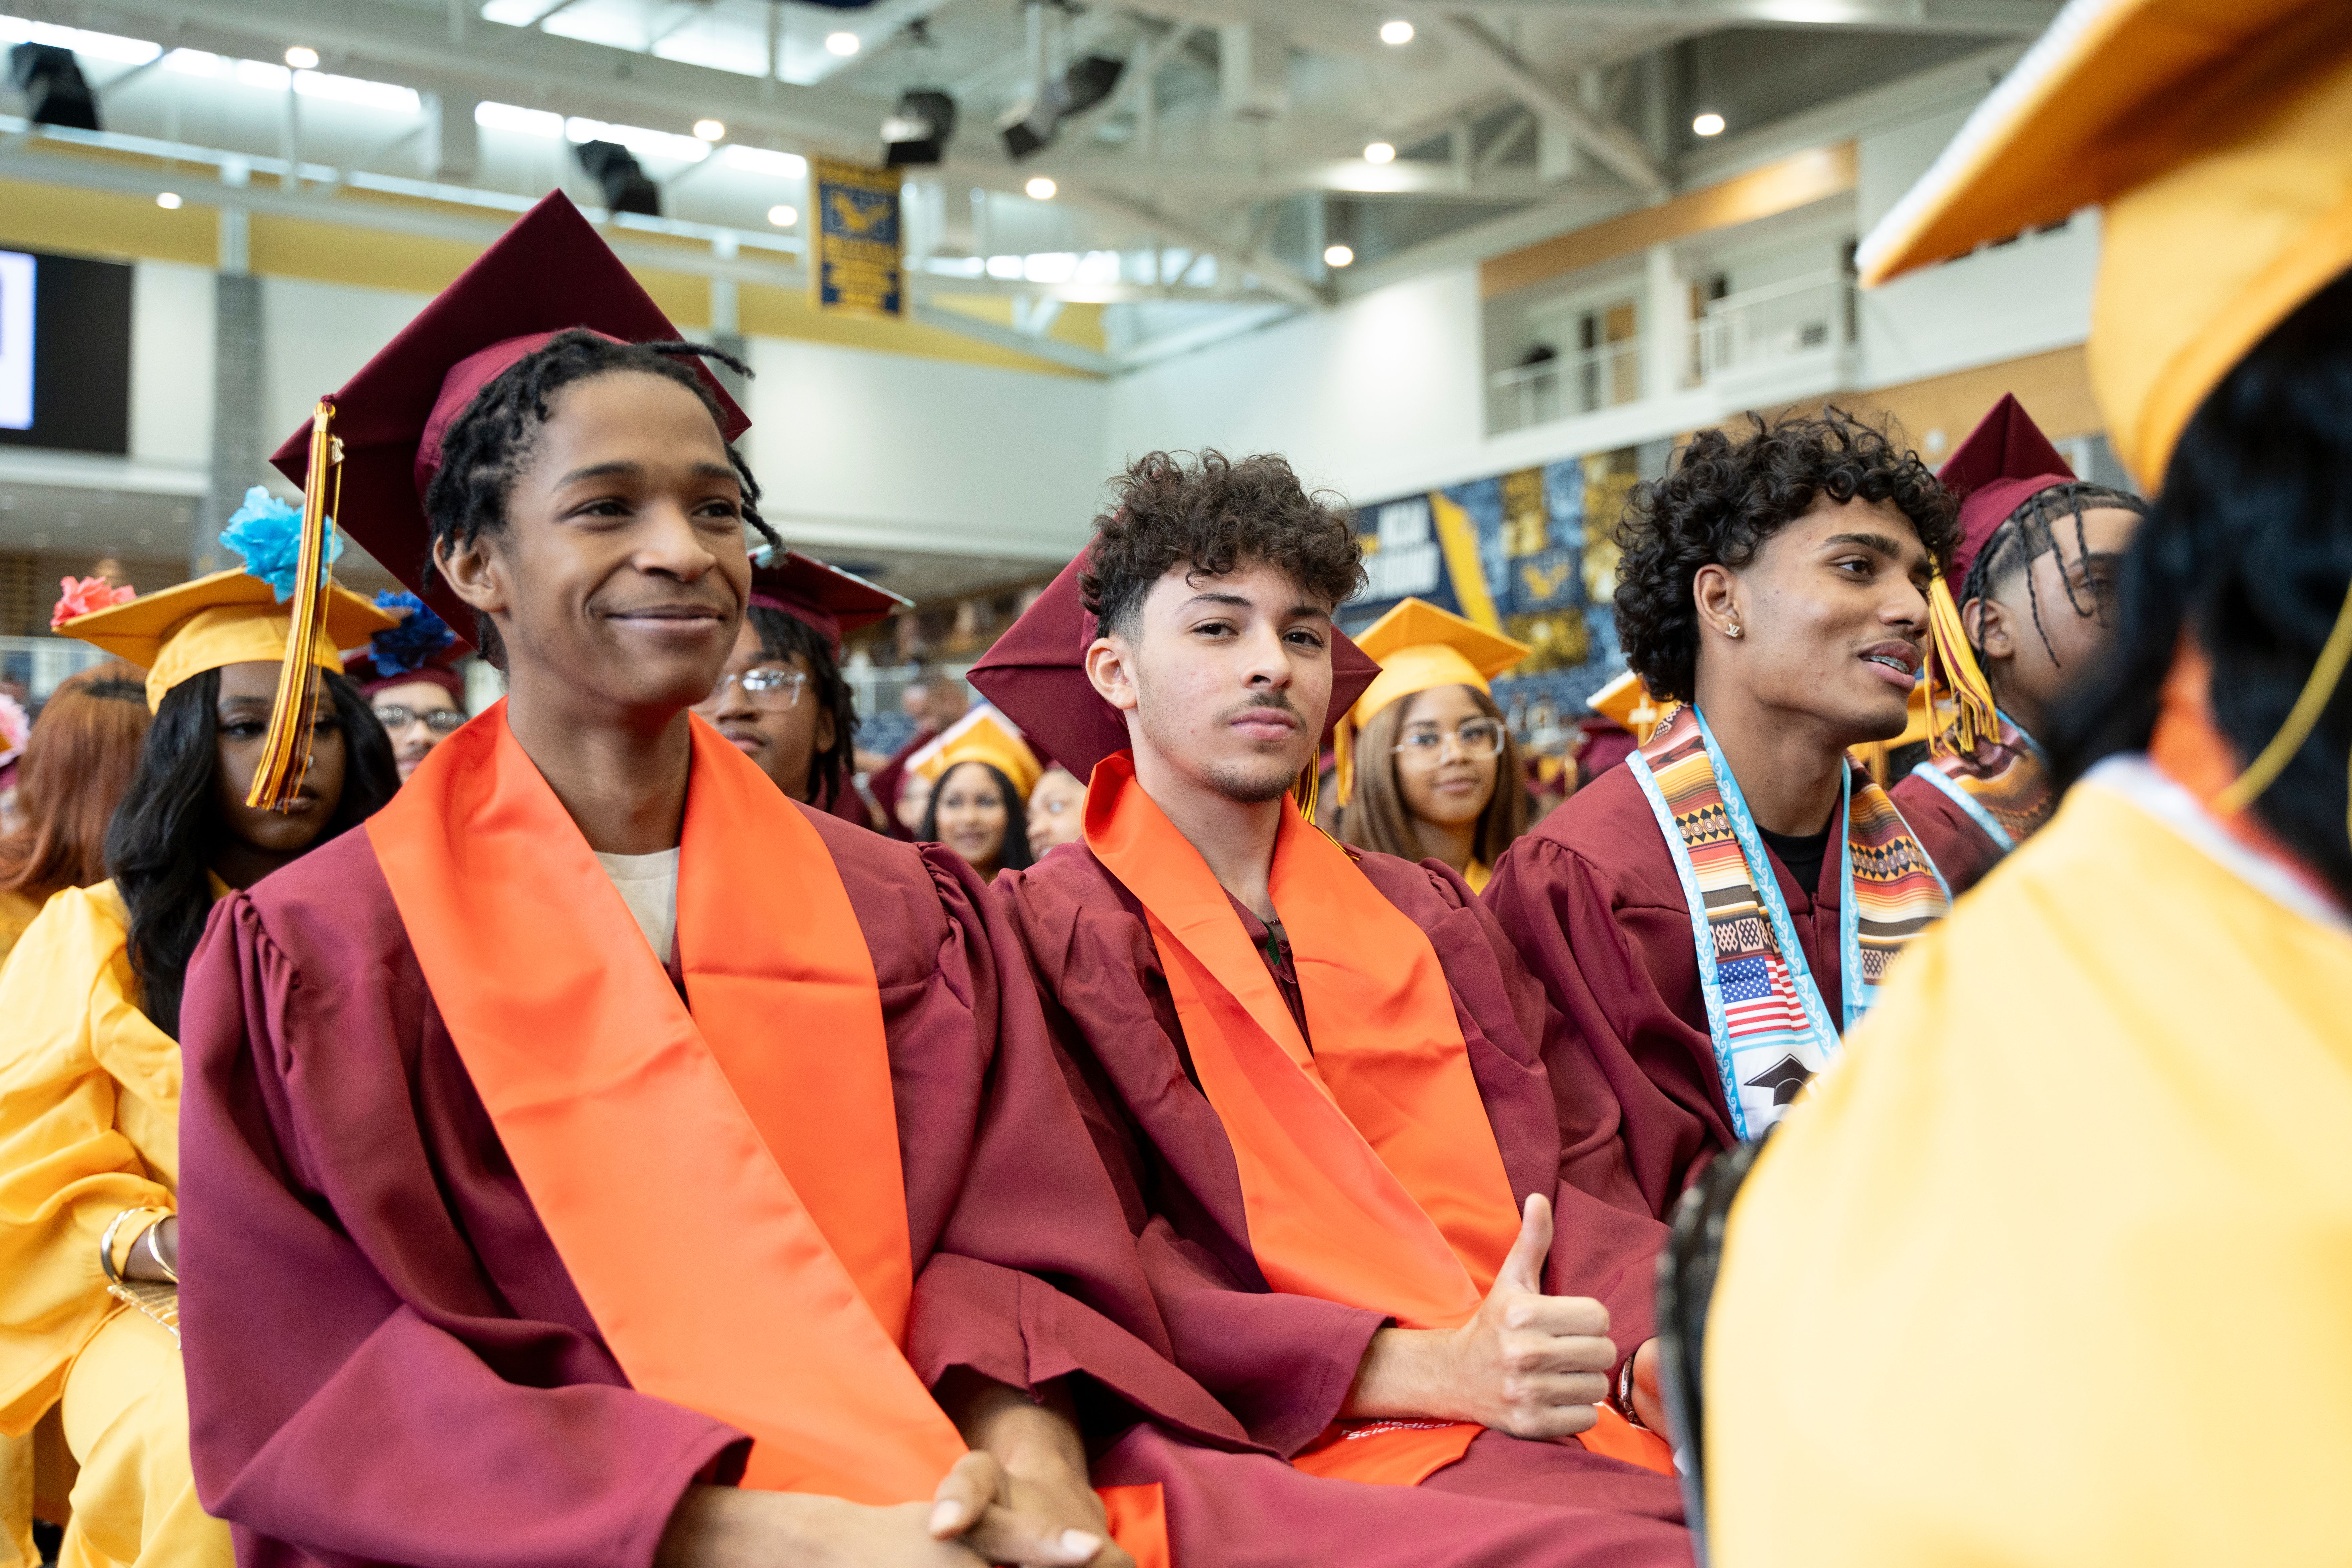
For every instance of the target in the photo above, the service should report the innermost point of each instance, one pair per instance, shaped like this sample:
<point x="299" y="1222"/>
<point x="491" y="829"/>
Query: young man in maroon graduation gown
<point x="1775" y="588"/>
<point x="1247" y="1005"/>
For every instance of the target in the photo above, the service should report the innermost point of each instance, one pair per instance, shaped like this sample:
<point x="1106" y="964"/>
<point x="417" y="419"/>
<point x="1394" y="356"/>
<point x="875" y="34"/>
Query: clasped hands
<point x="1527" y="1363"/>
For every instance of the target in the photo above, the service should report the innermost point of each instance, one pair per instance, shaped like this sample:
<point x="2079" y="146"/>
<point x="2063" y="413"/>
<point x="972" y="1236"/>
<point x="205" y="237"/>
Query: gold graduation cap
<point x="2217" y="135"/>
<point x="1419" y="647"/>
<point x="982" y="735"/>
<point x="1628" y="702"/>
<point x="227" y="617"/>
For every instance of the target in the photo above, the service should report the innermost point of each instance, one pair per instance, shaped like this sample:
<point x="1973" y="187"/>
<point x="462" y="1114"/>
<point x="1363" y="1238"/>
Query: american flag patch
<point x="1757" y="998"/>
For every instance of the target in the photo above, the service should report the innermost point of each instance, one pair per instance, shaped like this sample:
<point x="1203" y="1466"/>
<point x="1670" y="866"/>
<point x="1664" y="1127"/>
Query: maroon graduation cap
<point x="548" y="274"/>
<point x="2004" y="462"/>
<point x="1035" y="675"/>
<point x="833" y="601"/>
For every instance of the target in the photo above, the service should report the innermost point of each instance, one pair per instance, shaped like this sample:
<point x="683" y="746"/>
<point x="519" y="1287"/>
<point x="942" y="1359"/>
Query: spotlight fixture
<point x="1040" y="188"/>
<point x="842" y="43"/>
<point x="56" y="92"/>
<point x="1338" y="256"/>
<point x="915" y="134"/>
<point x="302" y="58"/>
<point x="1380" y="152"/>
<point x="711" y="129"/>
<point x="1396" y="32"/>
<point x="783" y="216"/>
<point x="1707" y="124"/>
<point x="1035" y="122"/>
<point x="627" y="186"/>
<point x="168" y="200"/>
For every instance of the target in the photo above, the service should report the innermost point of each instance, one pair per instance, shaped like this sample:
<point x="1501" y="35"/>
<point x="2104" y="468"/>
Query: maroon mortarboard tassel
<point x="549" y="273"/>
<point x="2005" y="460"/>
<point x="1035" y="675"/>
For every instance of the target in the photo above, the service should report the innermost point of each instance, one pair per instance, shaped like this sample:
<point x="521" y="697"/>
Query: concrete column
<point x="1665" y="325"/>
<point x="727" y="320"/>
<point x="241" y="447"/>
<point x="453" y="143"/>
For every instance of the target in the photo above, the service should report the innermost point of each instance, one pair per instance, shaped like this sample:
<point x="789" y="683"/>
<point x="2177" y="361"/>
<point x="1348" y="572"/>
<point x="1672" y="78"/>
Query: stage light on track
<point x="1338" y="256"/>
<point x="915" y="134"/>
<point x="1707" y="124"/>
<point x="56" y="92"/>
<point x="783" y="216"/>
<point x="302" y="58"/>
<point x="627" y="186"/>
<point x="1380" y="152"/>
<point x="1040" y="188"/>
<point x="842" y="43"/>
<point x="711" y="129"/>
<point x="168" y="200"/>
<point x="1397" y="32"/>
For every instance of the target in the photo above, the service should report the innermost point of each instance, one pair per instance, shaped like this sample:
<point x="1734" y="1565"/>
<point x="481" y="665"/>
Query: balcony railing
<point x="1757" y="327"/>
<point x="38" y="663"/>
<point x="1582" y="382"/>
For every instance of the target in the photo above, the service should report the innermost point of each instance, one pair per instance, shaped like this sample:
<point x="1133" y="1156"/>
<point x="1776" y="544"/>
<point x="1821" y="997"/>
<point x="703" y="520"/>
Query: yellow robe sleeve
<point x="89" y="1094"/>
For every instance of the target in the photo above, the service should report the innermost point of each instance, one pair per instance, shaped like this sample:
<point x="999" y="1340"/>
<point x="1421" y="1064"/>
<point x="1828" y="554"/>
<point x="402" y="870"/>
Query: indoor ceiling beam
<point x="1609" y="145"/>
<point x="1272" y="276"/>
<point x="1985" y="18"/>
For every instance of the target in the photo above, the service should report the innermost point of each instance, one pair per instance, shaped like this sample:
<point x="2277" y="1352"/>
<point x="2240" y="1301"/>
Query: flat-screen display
<point x="65" y="352"/>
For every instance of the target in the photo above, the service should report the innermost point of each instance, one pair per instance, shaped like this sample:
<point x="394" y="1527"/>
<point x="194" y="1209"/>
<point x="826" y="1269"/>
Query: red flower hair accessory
<point x="80" y="595"/>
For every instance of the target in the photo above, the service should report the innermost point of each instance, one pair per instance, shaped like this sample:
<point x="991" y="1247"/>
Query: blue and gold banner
<point x="854" y="246"/>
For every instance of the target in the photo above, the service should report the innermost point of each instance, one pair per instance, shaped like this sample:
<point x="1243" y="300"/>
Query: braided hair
<point x="484" y="447"/>
<point x="781" y="638"/>
<point x="2027" y="534"/>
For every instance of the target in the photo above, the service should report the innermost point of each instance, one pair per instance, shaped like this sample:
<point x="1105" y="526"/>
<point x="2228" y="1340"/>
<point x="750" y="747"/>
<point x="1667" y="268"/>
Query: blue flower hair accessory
<point x="411" y="645"/>
<point x="268" y="535"/>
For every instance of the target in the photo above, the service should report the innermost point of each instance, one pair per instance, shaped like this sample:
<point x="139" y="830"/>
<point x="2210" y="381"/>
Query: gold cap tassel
<point x="294" y="716"/>
<point x="1974" y="718"/>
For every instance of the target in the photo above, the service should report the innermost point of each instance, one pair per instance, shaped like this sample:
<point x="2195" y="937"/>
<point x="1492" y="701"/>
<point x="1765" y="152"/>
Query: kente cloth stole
<point x="1368" y="1170"/>
<point x="1770" y="1030"/>
<point x="732" y="1208"/>
<point x="2003" y="785"/>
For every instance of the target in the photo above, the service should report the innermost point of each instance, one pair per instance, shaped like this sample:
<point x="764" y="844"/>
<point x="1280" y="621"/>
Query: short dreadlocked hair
<point x="1725" y="498"/>
<point x="1217" y="513"/>
<point x="485" y="447"/>
<point x="2026" y="535"/>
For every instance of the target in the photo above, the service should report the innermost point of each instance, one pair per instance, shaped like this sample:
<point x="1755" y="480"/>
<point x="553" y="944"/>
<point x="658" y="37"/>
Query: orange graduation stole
<point x="1370" y="1172"/>
<point x="732" y="1208"/>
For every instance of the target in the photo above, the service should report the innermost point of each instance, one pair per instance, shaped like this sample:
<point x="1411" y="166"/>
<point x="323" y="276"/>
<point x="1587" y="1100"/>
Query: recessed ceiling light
<point x="1380" y="152"/>
<point x="1040" y="188"/>
<point x="842" y="43"/>
<point x="1396" y="32"/>
<point x="711" y="129"/>
<point x="1338" y="256"/>
<point x="783" y="216"/>
<point x="302" y="58"/>
<point x="168" y="200"/>
<point x="1707" y="124"/>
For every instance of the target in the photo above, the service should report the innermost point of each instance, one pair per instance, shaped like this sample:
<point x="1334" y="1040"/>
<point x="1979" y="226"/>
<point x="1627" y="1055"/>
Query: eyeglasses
<point x="440" y="720"/>
<point x="762" y="688"/>
<point x="1477" y="740"/>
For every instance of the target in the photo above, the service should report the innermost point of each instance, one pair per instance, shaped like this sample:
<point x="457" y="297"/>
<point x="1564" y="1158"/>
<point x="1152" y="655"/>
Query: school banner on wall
<point x="854" y="246"/>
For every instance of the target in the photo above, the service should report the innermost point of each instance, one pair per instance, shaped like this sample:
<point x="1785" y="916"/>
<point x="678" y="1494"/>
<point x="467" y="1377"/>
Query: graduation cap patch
<point x="1783" y="1078"/>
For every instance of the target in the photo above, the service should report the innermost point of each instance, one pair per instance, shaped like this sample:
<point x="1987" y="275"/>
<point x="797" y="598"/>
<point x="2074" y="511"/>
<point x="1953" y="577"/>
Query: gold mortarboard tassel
<point x="1974" y="716"/>
<point x="293" y="718"/>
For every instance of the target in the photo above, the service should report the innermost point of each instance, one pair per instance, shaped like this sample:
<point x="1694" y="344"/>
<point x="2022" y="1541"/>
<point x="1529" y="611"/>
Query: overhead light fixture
<point x="302" y="58"/>
<point x="711" y="129"/>
<point x="56" y="90"/>
<point x="1380" y="152"/>
<point x="783" y="216"/>
<point x="168" y="200"/>
<point x="916" y="134"/>
<point x="1396" y="32"/>
<point x="842" y="43"/>
<point x="627" y="186"/>
<point x="1035" y="122"/>
<point x="1040" y="188"/>
<point x="1707" y="124"/>
<point x="1338" y="256"/>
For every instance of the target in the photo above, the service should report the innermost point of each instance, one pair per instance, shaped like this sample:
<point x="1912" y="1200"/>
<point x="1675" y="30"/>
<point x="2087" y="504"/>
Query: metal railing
<point x="1582" y="382"/>
<point x="1808" y="315"/>
<point x="38" y="663"/>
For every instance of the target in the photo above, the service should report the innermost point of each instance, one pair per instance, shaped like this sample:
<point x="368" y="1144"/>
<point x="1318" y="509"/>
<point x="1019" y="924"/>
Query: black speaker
<point x="48" y="76"/>
<point x="1088" y="82"/>
<point x="627" y="188"/>
<point x="918" y="131"/>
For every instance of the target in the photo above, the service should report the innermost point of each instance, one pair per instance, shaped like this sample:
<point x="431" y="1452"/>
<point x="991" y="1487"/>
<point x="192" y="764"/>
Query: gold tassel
<point x="1974" y="717"/>
<point x="294" y="716"/>
<point x="2309" y="705"/>
<point x="1304" y="788"/>
<point x="1343" y="750"/>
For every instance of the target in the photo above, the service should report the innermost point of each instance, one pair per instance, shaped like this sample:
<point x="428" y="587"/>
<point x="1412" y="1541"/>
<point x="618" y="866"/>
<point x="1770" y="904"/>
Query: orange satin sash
<point x="1369" y="1172"/>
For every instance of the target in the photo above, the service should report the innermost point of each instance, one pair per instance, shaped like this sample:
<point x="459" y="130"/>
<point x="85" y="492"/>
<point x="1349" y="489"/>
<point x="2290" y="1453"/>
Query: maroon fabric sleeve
<point x="1961" y="849"/>
<point x="363" y="1384"/>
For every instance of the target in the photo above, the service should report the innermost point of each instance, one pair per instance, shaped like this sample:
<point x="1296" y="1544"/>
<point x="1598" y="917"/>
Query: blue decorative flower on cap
<point x="411" y="645"/>
<point x="268" y="535"/>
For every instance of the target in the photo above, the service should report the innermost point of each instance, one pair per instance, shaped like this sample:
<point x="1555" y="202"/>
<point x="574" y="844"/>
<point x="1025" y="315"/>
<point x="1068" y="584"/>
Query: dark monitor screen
<point x="65" y="352"/>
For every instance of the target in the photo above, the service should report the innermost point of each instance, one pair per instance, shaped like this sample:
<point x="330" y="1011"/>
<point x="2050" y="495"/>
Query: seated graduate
<point x="90" y="1015"/>
<point x="1713" y="915"/>
<point x="410" y="676"/>
<point x="78" y="760"/>
<point x="980" y="771"/>
<point x="781" y="701"/>
<point x="1383" y="1297"/>
<point x="2036" y="569"/>
<point x="1427" y="767"/>
<point x="2093" y="1137"/>
<point x="1056" y="811"/>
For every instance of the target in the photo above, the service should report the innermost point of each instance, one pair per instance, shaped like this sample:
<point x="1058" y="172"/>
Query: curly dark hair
<point x="485" y="447"/>
<point x="1219" y="513"/>
<point x="1725" y="498"/>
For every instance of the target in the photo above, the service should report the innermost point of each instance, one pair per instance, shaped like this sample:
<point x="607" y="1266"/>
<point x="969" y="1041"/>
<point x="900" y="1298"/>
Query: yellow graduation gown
<point x="2057" y="1267"/>
<point x="16" y="912"/>
<point x="89" y="1098"/>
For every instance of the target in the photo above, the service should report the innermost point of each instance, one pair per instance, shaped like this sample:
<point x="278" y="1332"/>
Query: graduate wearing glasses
<point x="409" y="674"/>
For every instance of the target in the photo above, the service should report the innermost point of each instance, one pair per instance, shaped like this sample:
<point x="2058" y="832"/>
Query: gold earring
<point x="1735" y="628"/>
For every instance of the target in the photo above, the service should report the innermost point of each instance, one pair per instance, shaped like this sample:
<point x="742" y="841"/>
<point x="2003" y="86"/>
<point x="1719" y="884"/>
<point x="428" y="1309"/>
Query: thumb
<point x="1522" y="1271"/>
